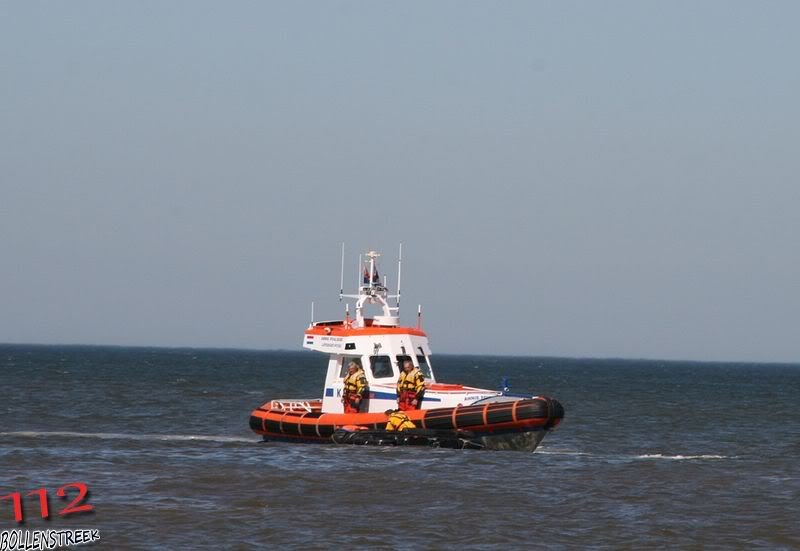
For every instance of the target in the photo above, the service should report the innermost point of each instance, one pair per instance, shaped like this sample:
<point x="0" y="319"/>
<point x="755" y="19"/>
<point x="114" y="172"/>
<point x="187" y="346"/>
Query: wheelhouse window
<point x="346" y="363"/>
<point x="424" y="367"/>
<point x="422" y="363"/>
<point x="422" y="360"/>
<point x="381" y="367"/>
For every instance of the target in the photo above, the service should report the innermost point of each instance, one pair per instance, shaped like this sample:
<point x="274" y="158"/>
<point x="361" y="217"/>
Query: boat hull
<point x="460" y="440"/>
<point x="415" y="437"/>
<point x="510" y="425"/>
<point x="519" y="441"/>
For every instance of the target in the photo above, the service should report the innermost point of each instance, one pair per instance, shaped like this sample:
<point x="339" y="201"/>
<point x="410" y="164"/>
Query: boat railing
<point x="295" y="405"/>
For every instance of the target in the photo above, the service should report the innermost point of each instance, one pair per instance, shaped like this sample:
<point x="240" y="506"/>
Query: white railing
<point x="295" y="405"/>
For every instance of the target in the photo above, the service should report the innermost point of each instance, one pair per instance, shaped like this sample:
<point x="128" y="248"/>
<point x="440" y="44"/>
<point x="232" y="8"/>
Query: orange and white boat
<point x="475" y="417"/>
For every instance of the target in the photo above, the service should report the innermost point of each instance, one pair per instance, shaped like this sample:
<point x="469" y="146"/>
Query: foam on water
<point x="680" y="457"/>
<point x="563" y="452"/>
<point x="635" y="456"/>
<point x="138" y="437"/>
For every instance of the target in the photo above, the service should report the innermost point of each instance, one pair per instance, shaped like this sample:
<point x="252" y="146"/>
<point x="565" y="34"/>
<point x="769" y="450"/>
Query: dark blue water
<point x="678" y="455"/>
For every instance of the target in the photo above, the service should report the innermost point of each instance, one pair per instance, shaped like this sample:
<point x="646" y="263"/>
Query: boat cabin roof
<point x="342" y="328"/>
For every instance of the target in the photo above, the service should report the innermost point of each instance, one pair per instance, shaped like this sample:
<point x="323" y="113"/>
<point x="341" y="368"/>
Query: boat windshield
<point x="424" y="367"/>
<point x="381" y="366"/>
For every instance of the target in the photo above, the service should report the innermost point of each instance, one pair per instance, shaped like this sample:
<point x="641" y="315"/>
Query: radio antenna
<point x="358" y="274"/>
<point x="341" y="279"/>
<point x="399" y="272"/>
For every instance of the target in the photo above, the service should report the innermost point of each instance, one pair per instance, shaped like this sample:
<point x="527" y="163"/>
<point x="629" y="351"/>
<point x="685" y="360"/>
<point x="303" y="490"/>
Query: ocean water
<point x="650" y="454"/>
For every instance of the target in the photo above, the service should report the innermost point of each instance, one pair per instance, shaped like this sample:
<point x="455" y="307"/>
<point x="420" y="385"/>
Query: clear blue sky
<point x="574" y="179"/>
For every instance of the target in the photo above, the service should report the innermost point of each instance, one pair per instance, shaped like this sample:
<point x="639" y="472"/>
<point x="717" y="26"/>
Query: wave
<point x="679" y="457"/>
<point x="239" y="439"/>
<point x="638" y="456"/>
<point x="561" y="452"/>
<point x="141" y="437"/>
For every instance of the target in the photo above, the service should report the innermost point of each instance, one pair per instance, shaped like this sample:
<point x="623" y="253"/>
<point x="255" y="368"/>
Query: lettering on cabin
<point x="473" y="397"/>
<point x="331" y="342"/>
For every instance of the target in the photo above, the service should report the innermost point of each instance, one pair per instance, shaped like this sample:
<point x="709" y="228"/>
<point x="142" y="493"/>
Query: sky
<point x="583" y="179"/>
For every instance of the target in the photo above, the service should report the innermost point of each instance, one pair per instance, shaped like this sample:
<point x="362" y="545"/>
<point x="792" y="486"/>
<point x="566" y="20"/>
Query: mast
<point x="399" y="273"/>
<point x="341" y="279"/>
<point x="372" y="291"/>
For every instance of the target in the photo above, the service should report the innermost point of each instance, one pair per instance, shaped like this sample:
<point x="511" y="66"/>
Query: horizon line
<point x="300" y="351"/>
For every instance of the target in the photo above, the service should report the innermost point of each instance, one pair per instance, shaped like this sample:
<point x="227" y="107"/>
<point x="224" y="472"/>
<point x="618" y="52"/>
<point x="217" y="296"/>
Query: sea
<point x="651" y="454"/>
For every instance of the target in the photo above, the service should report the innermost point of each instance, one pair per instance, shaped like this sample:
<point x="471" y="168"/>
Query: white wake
<point x="679" y="457"/>
<point x="639" y="456"/>
<point x="120" y="436"/>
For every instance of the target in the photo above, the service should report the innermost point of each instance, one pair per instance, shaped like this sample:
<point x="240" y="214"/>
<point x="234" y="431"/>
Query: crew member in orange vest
<point x="355" y="387"/>
<point x="398" y="421"/>
<point x="410" y="387"/>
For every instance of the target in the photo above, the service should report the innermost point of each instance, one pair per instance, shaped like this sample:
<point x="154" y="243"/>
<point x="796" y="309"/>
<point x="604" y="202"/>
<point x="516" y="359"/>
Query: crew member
<point x="355" y="388"/>
<point x="398" y="421"/>
<point x="410" y="387"/>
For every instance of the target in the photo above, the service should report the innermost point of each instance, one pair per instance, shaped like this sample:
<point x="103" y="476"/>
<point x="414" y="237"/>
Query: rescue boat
<point x="450" y="415"/>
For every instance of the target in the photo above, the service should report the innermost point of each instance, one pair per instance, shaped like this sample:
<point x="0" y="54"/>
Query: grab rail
<point x="295" y="405"/>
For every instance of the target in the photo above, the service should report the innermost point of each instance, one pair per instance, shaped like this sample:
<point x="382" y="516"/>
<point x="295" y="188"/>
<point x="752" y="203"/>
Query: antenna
<point x="372" y="271"/>
<point x="399" y="266"/>
<point x="341" y="279"/>
<point x="312" y="314"/>
<point x="358" y="274"/>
